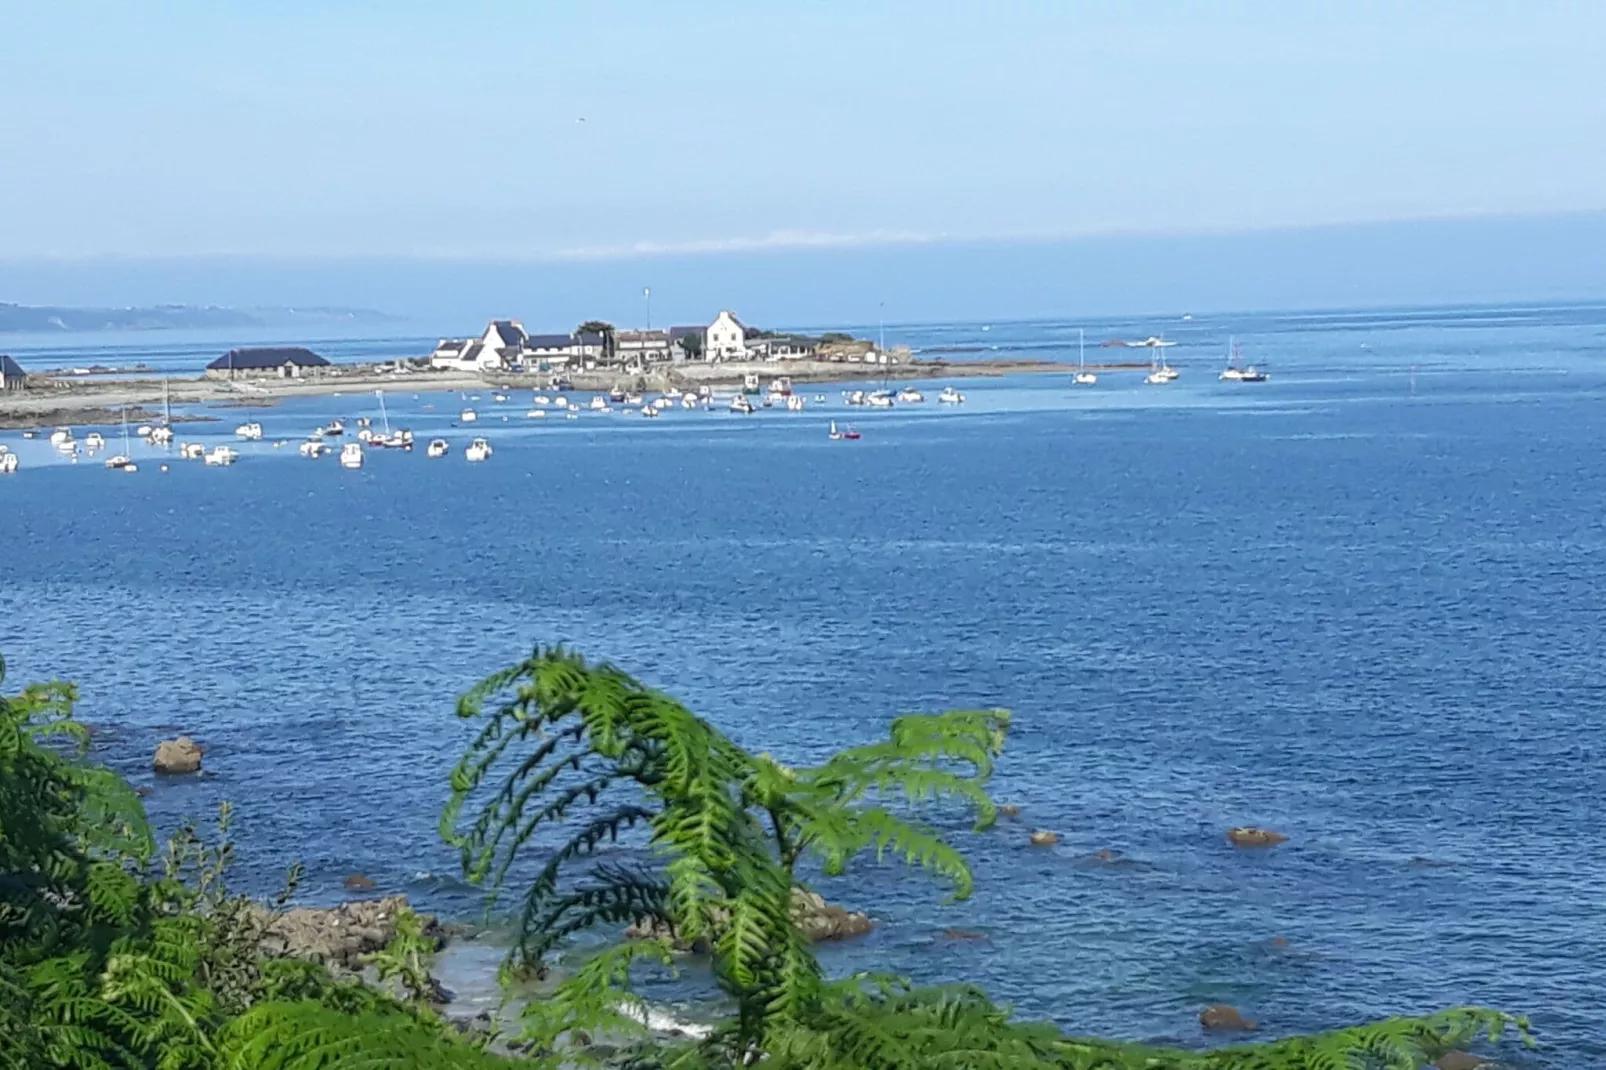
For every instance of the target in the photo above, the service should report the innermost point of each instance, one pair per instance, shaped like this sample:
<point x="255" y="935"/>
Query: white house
<point x="784" y="347"/>
<point x="496" y="350"/>
<point x="725" y="339"/>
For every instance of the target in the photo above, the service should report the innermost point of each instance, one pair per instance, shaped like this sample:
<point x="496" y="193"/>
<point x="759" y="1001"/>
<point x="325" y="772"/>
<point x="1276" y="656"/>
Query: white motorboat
<point x="437" y="448"/>
<point x="477" y="450"/>
<point x="191" y="451"/>
<point x="161" y="436"/>
<point x="8" y="463"/>
<point x="222" y="455"/>
<point x="739" y="403"/>
<point x="910" y="396"/>
<point x="94" y="441"/>
<point x="498" y="397"/>
<point x="540" y="399"/>
<point x="1083" y="377"/>
<point x="335" y="429"/>
<point x="62" y="436"/>
<point x="313" y="448"/>
<point x="688" y="401"/>
<point x="251" y="432"/>
<point x="535" y="414"/>
<point x="1252" y="374"/>
<point x="351" y="455"/>
<point x="118" y="461"/>
<point x="673" y="394"/>
<point x="879" y="399"/>
<point x="144" y="430"/>
<point x="1161" y="376"/>
<point x="794" y="403"/>
<point x="599" y="403"/>
<point x="648" y="410"/>
<point x="632" y="400"/>
<point x="468" y="416"/>
<point x="365" y="434"/>
<point x="950" y="396"/>
<point x="363" y="421"/>
<point x="853" y="397"/>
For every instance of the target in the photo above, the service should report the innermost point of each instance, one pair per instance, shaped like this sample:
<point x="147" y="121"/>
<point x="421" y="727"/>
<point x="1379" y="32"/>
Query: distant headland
<point x="16" y="319"/>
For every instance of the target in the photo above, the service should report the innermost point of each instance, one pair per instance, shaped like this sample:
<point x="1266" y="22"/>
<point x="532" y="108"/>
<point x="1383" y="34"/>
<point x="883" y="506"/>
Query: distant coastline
<point x="86" y="401"/>
<point x="45" y="319"/>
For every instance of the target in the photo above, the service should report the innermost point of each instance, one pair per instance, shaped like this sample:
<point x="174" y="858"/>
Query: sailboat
<point x="835" y="434"/>
<point x="1083" y="376"/>
<point x="1232" y="373"/>
<point x="162" y="435"/>
<point x="122" y="460"/>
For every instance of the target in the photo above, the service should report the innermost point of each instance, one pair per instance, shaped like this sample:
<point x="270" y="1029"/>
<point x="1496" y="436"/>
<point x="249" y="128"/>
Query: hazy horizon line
<point x="784" y="240"/>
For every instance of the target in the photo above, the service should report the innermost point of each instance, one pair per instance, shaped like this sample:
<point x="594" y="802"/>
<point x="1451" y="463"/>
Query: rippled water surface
<point x="1359" y="603"/>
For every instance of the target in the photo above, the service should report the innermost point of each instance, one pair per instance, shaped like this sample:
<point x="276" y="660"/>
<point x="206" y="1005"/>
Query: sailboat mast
<point x="167" y="408"/>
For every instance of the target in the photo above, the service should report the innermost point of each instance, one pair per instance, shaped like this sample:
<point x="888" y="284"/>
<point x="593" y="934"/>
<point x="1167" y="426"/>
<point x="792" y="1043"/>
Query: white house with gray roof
<point x="725" y="338"/>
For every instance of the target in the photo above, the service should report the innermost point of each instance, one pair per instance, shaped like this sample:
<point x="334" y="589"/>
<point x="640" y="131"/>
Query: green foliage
<point x="105" y="965"/>
<point x="589" y="753"/>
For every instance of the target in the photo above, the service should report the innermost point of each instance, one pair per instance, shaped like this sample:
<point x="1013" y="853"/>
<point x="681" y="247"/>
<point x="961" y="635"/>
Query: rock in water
<point x="1220" y="1018"/>
<point x="1459" y="1060"/>
<point x="1045" y="838"/>
<point x="813" y="916"/>
<point x="175" y="756"/>
<point x="1249" y="836"/>
<point x="338" y="937"/>
<point x="1009" y="811"/>
<point x="356" y="882"/>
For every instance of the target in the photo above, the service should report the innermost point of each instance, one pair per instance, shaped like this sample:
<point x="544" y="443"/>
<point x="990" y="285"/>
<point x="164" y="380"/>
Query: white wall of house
<point x="725" y="339"/>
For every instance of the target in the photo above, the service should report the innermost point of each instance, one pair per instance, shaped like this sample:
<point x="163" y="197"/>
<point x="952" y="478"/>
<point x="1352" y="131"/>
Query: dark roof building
<point x="12" y="377"/>
<point x="548" y="341"/>
<point x="509" y="332"/>
<point x="286" y="361"/>
<point x="677" y="333"/>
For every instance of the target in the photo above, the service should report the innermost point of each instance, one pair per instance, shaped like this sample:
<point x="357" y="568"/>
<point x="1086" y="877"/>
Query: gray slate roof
<point x="509" y="332"/>
<point x="548" y="341"/>
<point x="10" y="369"/>
<point x="267" y="357"/>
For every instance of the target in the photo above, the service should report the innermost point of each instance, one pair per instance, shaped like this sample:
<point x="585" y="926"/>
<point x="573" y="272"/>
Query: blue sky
<point x="444" y="132"/>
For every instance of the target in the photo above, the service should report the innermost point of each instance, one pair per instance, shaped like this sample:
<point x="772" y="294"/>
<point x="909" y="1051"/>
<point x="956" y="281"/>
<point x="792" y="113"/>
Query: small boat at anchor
<point x="351" y="455"/>
<point x="950" y="396"/>
<point x="94" y="441"/>
<point x="477" y="450"/>
<point x="191" y="451"/>
<point x="313" y="448"/>
<point x="1083" y="377"/>
<point x="437" y="448"/>
<point x="910" y="396"/>
<point x="221" y="456"/>
<point x="251" y="432"/>
<point x="740" y="404"/>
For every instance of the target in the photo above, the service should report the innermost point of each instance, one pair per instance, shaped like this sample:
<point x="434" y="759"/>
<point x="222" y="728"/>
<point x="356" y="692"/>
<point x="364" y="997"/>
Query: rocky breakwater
<point x="813" y="916"/>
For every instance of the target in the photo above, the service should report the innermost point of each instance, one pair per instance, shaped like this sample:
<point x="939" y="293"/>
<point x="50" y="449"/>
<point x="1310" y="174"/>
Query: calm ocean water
<point x="1358" y="603"/>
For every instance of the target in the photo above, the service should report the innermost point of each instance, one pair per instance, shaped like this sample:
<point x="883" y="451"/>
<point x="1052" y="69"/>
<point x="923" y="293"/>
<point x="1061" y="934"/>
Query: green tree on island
<point x="114" y="956"/>
<point x="604" y="328"/>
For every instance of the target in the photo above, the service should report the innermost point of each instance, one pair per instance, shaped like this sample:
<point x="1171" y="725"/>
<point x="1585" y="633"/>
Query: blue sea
<point x="1358" y="603"/>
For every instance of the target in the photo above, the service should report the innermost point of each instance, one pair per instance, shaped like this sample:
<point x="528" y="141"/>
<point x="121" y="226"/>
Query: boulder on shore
<point x="813" y="916"/>
<point x="339" y="936"/>
<point x="1250" y="836"/>
<point x="177" y="756"/>
<point x="1220" y="1018"/>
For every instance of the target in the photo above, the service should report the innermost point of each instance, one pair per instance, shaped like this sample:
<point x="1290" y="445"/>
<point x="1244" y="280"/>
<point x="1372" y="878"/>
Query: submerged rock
<point x="813" y="916"/>
<point x="1009" y="811"/>
<point x="1045" y="838"/>
<point x="962" y="934"/>
<point x="1250" y="836"/>
<point x="177" y="756"/>
<point x="1459" y="1060"/>
<point x="339" y="936"/>
<point x="1220" y="1018"/>
<point x="357" y="882"/>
